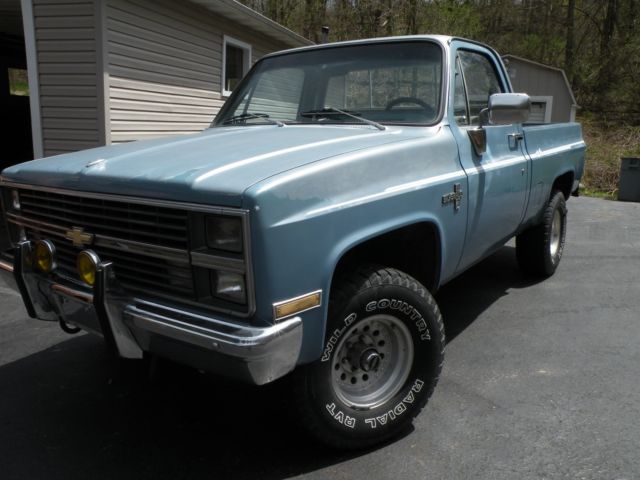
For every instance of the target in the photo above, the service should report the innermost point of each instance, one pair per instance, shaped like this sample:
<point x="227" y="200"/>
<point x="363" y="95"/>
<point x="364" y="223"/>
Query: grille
<point x="128" y="221"/>
<point x="154" y="226"/>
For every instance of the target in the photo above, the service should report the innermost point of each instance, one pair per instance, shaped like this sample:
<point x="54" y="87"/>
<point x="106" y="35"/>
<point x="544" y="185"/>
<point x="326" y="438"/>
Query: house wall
<point x="164" y="64"/>
<point x="65" y="34"/>
<point x="539" y="81"/>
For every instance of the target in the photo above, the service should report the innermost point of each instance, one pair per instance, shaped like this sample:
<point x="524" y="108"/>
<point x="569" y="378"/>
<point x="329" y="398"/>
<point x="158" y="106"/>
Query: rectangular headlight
<point x="229" y="286"/>
<point x="224" y="233"/>
<point x="15" y="200"/>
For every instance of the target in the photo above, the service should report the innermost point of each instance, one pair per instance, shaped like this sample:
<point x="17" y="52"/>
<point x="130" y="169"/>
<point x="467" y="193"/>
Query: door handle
<point x="515" y="137"/>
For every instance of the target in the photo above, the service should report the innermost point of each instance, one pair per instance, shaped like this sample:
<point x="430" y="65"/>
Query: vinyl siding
<point x="164" y="61"/>
<point x="65" y="32"/>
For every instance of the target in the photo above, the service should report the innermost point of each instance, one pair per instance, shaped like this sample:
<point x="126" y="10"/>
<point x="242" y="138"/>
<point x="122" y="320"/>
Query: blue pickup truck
<point x="305" y="232"/>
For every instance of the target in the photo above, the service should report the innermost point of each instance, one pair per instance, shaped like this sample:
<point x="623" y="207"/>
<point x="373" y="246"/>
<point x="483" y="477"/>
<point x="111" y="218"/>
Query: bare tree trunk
<point x="568" y="49"/>
<point x="412" y="17"/>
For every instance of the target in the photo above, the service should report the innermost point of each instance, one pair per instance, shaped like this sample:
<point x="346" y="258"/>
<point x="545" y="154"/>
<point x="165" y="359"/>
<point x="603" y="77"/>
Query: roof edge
<point x="235" y="6"/>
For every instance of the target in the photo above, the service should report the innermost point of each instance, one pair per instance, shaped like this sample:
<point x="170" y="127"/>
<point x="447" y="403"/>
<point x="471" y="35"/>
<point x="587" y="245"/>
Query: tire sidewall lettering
<point x="396" y="411"/>
<point x="335" y="336"/>
<point x="411" y="312"/>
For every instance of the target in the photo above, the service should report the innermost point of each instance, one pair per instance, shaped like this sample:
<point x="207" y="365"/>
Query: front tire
<point x="382" y="358"/>
<point x="539" y="248"/>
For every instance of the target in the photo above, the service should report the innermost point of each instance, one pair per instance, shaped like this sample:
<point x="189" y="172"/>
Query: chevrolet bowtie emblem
<point x="79" y="237"/>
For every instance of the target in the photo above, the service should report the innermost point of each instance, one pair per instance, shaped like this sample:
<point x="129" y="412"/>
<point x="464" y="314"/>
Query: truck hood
<point x="213" y="167"/>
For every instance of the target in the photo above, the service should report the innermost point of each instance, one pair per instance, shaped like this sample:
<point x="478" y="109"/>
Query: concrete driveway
<point x="540" y="381"/>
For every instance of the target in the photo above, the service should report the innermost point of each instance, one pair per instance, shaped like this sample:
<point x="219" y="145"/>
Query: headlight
<point x="224" y="233"/>
<point x="229" y="286"/>
<point x="15" y="199"/>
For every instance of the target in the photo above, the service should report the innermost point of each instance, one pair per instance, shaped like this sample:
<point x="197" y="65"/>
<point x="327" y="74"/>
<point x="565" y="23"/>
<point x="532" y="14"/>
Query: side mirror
<point x="508" y="108"/>
<point x="503" y="109"/>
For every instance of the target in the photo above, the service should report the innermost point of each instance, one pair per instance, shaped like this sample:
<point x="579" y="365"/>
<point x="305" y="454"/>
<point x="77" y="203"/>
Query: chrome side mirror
<point x="508" y="108"/>
<point x="503" y="109"/>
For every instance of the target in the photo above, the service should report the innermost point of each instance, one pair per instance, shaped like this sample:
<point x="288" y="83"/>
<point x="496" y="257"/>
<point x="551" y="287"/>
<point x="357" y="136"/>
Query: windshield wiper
<point x="249" y="116"/>
<point x="334" y="111"/>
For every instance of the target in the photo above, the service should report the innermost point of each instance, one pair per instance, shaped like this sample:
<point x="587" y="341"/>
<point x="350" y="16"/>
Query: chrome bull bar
<point x="131" y="326"/>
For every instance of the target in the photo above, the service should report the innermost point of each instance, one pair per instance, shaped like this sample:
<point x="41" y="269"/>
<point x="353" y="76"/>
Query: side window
<point x="480" y="80"/>
<point x="460" y="107"/>
<point x="236" y="61"/>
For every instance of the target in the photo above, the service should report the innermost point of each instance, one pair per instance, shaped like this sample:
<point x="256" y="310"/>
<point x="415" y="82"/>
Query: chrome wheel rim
<point x="372" y="361"/>
<point x="556" y="230"/>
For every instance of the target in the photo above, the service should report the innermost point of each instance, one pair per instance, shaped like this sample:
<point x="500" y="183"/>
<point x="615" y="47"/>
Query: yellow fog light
<point x="87" y="265"/>
<point x="45" y="256"/>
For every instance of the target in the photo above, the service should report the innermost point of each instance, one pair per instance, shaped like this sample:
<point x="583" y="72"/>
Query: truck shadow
<point x="463" y="299"/>
<point x="71" y="412"/>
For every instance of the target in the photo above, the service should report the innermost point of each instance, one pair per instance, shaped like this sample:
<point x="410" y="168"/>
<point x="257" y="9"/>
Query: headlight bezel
<point x="224" y="233"/>
<point x="209" y="260"/>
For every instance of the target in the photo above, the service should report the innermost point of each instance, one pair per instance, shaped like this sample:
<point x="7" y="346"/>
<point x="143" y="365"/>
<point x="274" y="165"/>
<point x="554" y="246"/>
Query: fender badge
<point x="455" y="197"/>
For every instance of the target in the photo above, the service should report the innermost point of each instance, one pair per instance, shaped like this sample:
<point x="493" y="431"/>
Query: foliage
<point x="596" y="42"/>
<point x="606" y="143"/>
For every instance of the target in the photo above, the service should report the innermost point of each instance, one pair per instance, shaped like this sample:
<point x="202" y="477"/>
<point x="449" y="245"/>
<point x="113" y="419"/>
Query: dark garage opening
<point x="16" y="139"/>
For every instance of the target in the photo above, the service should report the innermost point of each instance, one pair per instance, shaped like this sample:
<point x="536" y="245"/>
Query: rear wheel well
<point x="414" y="249"/>
<point x="564" y="183"/>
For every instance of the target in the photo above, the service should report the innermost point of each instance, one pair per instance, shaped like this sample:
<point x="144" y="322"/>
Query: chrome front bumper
<point x="131" y="326"/>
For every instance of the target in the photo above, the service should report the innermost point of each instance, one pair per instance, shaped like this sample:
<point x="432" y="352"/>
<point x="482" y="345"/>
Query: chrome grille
<point x="128" y="221"/>
<point x="147" y="244"/>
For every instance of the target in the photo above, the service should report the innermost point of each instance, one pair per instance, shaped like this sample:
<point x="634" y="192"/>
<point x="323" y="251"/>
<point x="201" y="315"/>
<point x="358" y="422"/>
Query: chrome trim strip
<point x="246" y="241"/>
<point x="73" y="293"/>
<point x="38" y="224"/>
<point x="193" y="207"/>
<point x="217" y="262"/>
<point x="6" y="266"/>
<point x="277" y="304"/>
<point x="150" y="250"/>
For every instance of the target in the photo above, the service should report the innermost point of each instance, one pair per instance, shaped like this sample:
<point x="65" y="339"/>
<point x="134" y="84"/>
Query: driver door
<point x="497" y="179"/>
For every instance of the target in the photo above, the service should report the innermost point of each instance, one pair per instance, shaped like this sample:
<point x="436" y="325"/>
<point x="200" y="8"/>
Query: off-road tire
<point x="371" y="304"/>
<point x="539" y="248"/>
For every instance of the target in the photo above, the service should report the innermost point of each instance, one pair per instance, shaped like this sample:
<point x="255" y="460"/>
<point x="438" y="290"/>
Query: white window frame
<point x="548" y="101"/>
<point x="227" y="40"/>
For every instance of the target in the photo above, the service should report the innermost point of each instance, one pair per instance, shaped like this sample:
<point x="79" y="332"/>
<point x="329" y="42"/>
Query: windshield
<point x="394" y="83"/>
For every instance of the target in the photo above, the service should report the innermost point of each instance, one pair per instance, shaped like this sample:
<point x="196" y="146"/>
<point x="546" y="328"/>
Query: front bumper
<point x="131" y="326"/>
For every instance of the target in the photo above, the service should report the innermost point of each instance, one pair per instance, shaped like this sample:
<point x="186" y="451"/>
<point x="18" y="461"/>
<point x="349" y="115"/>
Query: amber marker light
<point x="45" y="256"/>
<point x="87" y="265"/>
<point x="297" y="305"/>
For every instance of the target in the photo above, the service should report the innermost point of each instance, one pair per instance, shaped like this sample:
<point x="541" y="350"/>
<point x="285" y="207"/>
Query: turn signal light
<point x="45" y="256"/>
<point x="87" y="266"/>
<point x="297" y="305"/>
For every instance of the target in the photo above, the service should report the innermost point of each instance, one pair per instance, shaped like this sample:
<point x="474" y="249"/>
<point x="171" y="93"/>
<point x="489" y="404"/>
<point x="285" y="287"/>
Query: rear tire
<point x="382" y="358"/>
<point x="539" y="248"/>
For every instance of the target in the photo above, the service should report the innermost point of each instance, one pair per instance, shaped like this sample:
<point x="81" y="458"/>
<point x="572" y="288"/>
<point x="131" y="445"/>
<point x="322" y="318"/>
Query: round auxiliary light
<point x="87" y="265"/>
<point x="45" y="256"/>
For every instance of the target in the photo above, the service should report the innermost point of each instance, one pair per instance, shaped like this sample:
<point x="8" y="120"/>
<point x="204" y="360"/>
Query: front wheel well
<point x="413" y="249"/>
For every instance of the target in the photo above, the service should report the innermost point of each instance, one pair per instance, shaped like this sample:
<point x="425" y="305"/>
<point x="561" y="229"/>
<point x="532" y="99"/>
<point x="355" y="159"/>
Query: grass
<point x="606" y="143"/>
